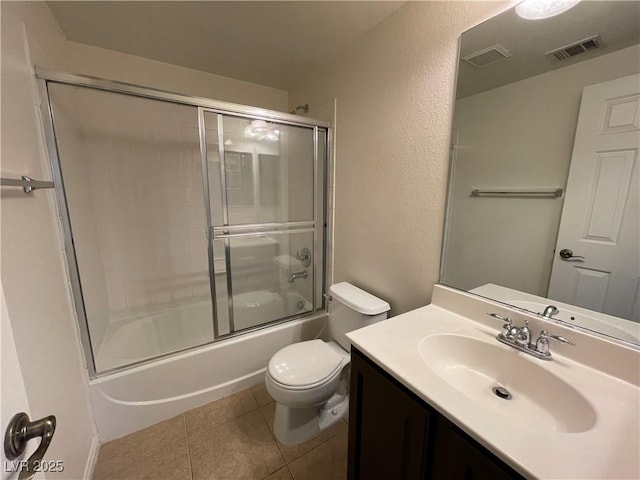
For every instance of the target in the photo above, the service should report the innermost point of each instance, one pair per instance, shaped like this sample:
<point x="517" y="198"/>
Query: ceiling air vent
<point x="487" y="56"/>
<point x="576" y="48"/>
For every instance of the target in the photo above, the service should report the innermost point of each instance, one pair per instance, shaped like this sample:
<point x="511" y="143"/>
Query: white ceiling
<point x="617" y="22"/>
<point x="269" y="43"/>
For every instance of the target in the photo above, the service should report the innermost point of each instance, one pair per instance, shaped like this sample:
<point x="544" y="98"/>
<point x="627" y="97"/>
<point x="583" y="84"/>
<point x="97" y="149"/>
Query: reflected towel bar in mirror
<point x="529" y="193"/>
<point x="28" y="184"/>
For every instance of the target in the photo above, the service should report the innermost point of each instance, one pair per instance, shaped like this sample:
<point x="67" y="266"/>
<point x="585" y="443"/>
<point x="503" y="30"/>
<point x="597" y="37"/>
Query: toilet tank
<point x="352" y="308"/>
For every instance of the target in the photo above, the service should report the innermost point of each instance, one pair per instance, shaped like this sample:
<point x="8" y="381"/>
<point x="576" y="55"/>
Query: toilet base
<point x="292" y="426"/>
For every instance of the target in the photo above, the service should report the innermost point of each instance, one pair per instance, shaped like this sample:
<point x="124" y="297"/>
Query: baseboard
<point x="92" y="459"/>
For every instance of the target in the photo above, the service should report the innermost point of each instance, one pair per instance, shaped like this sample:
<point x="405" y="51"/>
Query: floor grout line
<point x="290" y="472"/>
<point x="188" y="447"/>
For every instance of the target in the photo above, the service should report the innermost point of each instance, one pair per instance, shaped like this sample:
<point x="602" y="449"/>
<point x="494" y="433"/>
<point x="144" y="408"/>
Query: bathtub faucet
<point x="293" y="276"/>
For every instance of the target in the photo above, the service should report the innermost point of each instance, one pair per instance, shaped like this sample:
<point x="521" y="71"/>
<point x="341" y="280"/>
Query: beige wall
<point x="519" y="135"/>
<point x="394" y="95"/>
<point x="112" y="65"/>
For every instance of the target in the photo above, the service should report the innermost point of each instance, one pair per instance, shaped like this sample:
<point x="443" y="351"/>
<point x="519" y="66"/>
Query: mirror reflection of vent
<point x="487" y="56"/>
<point x="576" y="48"/>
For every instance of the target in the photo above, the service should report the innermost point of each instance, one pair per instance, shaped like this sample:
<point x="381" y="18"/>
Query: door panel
<point x="263" y="219"/>
<point x="262" y="290"/>
<point x="601" y="213"/>
<point x="132" y="177"/>
<point x="14" y="394"/>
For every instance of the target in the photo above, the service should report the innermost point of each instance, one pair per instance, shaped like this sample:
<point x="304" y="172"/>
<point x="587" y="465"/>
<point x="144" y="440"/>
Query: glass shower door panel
<point x="132" y="176"/>
<point x="268" y="171"/>
<point x="262" y="193"/>
<point x="268" y="281"/>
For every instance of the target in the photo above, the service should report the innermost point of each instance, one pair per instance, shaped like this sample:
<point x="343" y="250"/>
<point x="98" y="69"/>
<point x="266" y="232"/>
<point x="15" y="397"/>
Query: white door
<point x="14" y="395"/>
<point x="601" y="209"/>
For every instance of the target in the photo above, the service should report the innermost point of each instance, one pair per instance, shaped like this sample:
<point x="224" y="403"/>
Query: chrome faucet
<point x="550" y="311"/>
<point x="293" y="276"/>
<point x="520" y="337"/>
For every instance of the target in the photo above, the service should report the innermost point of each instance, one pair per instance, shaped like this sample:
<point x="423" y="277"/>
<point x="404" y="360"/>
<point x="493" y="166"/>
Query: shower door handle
<point x="19" y="431"/>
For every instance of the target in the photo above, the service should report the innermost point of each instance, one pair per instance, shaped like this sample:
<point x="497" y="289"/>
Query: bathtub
<point x="126" y="401"/>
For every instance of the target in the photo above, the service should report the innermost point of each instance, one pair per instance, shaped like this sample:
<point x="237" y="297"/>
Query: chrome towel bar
<point x="529" y="193"/>
<point x="28" y="184"/>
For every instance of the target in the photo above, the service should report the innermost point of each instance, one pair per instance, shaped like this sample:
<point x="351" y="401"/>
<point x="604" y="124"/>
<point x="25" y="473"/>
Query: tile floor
<point x="227" y="439"/>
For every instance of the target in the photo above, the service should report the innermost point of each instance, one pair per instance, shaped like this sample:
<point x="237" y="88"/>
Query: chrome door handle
<point x="567" y="254"/>
<point x="19" y="431"/>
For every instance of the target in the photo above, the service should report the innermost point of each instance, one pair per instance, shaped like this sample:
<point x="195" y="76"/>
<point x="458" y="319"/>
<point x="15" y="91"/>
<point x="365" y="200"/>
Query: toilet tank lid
<point x="356" y="298"/>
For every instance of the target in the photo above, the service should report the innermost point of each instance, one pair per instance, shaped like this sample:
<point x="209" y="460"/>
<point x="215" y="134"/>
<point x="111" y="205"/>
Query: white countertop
<point x="608" y="449"/>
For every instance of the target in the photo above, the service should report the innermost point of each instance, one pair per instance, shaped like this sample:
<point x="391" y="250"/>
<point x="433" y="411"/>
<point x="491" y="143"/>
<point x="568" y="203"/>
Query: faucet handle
<point x="508" y="324"/>
<point x="500" y="317"/>
<point x="557" y="338"/>
<point x="542" y="343"/>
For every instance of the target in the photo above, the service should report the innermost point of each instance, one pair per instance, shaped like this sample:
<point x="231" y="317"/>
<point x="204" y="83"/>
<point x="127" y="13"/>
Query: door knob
<point x="19" y="431"/>
<point x="567" y="254"/>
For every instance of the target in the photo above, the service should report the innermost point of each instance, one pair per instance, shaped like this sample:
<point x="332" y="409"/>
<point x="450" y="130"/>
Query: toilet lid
<point x="304" y="363"/>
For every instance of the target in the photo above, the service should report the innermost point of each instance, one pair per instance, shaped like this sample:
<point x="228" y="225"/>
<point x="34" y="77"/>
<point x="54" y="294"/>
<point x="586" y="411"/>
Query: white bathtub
<point x="127" y="401"/>
<point x="148" y="334"/>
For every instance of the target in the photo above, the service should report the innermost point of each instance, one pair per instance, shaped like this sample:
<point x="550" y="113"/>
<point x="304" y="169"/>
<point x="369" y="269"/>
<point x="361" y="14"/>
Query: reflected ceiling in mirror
<point x="544" y="166"/>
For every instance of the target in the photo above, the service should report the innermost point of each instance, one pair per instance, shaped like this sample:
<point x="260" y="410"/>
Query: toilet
<point x="309" y="380"/>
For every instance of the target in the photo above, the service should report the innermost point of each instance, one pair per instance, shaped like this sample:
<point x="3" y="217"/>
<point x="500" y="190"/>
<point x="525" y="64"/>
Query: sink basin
<point x="539" y="399"/>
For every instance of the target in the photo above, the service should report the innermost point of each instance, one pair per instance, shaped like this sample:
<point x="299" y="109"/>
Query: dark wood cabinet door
<point x="458" y="457"/>
<point x="388" y="427"/>
<point x="393" y="434"/>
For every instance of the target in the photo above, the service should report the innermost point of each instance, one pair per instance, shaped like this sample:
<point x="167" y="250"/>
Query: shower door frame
<point x="44" y="77"/>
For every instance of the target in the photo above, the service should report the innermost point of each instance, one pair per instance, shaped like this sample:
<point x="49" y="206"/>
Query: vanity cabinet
<point x="393" y="434"/>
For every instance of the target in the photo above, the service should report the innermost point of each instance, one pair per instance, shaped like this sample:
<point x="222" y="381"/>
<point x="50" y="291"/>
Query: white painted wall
<point x="394" y="94"/>
<point x="519" y="135"/>
<point x="33" y="273"/>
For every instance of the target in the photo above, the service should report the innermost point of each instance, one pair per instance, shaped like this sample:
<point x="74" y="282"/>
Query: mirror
<point x="543" y="205"/>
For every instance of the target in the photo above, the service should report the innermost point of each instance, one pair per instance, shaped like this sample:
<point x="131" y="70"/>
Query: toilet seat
<point x="305" y="365"/>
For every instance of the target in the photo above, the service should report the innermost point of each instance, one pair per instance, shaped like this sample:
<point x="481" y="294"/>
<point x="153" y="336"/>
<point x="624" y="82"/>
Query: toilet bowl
<point x="309" y="380"/>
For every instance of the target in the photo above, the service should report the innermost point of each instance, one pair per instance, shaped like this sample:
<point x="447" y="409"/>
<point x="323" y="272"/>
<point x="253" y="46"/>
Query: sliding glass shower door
<point x="265" y="181"/>
<point x="132" y="177"/>
<point x="183" y="224"/>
